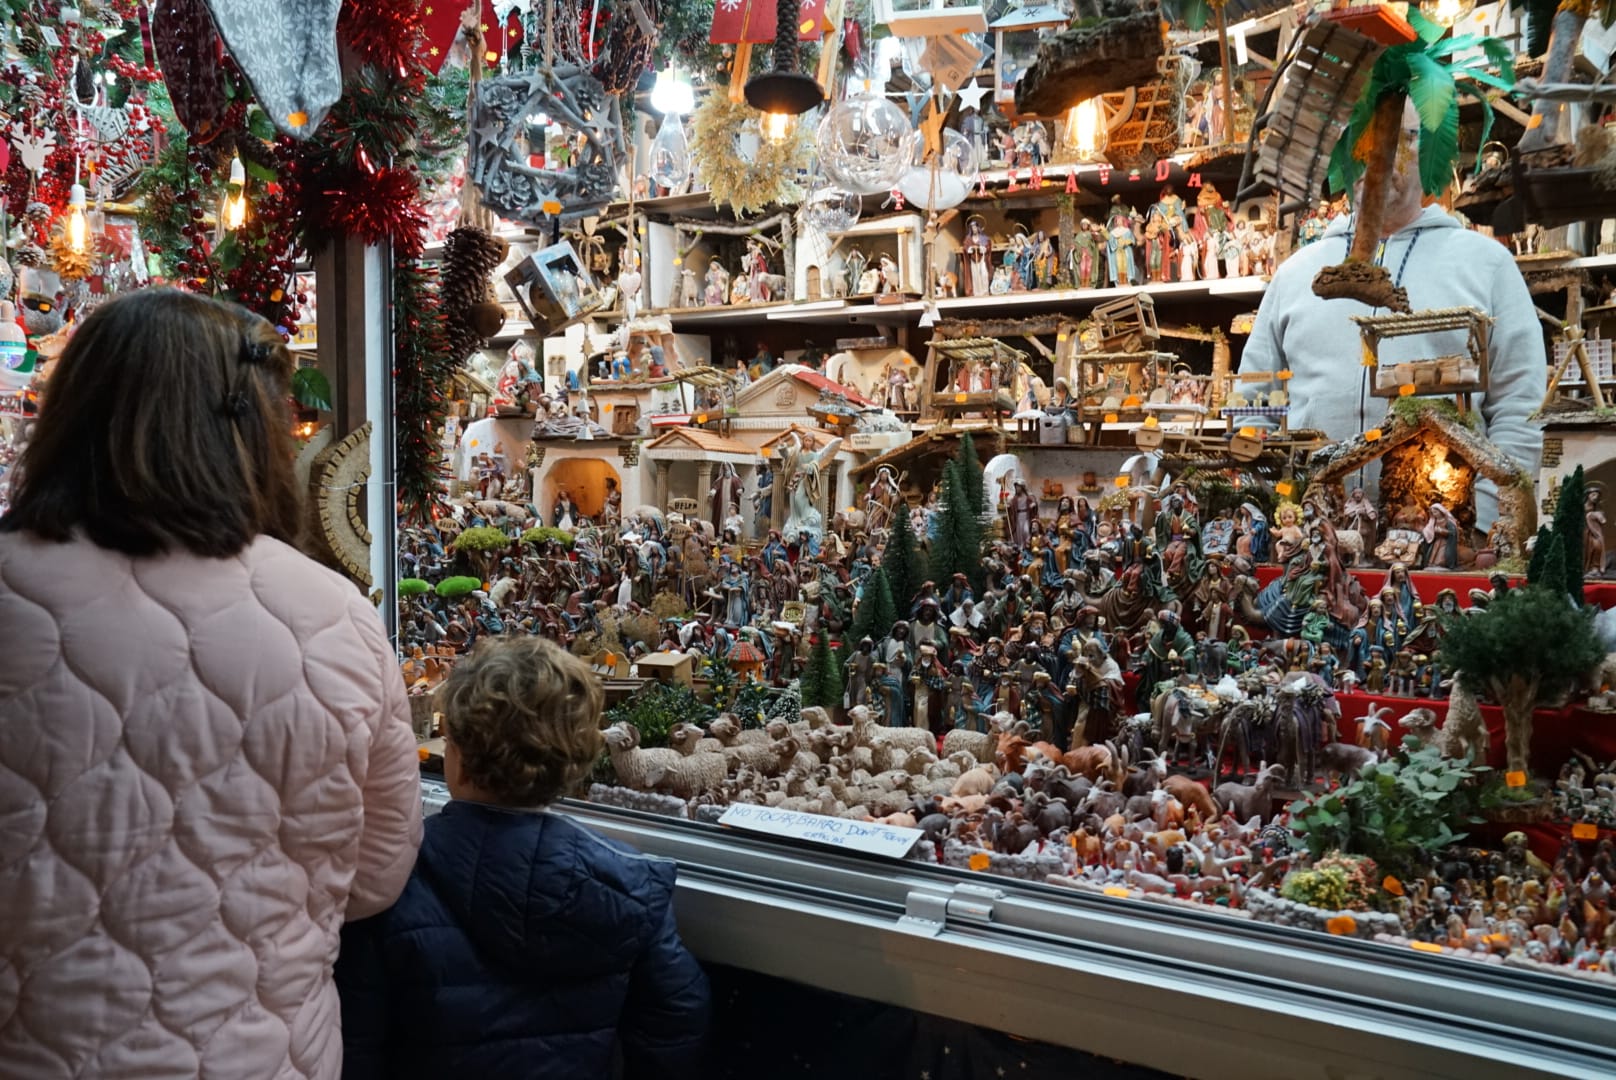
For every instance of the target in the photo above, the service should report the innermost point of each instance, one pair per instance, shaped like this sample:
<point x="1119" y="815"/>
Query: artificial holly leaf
<point x="261" y="172"/>
<point x="260" y="126"/>
<point x="311" y="389"/>
<point x="227" y="256"/>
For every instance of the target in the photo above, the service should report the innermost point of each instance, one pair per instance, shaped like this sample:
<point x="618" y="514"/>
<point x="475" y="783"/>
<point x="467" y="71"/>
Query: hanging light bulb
<point x="78" y="228"/>
<point x="672" y="93"/>
<point x="777" y="126"/>
<point x="1446" y="12"/>
<point x="235" y="199"/>
<point x="1085" y="131"/>
<point x="670" y="154"/>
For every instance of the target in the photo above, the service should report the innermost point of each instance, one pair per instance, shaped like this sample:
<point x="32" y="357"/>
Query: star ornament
<point x="971" y="95"/>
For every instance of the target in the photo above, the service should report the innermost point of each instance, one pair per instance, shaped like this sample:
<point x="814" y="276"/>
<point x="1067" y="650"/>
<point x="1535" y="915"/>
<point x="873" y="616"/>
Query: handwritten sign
<point x="866" y="836"/>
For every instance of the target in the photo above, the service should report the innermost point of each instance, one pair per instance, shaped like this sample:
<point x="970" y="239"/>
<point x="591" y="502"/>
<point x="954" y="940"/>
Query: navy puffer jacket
<point x="525" y="947"/>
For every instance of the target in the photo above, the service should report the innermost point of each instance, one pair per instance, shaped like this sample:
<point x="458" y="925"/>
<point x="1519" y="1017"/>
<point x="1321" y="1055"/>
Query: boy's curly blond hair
<point x="525" y="719"/>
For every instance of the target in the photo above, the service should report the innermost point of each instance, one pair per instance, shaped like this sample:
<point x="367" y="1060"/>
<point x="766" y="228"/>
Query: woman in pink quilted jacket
<point x="206" y="763"/>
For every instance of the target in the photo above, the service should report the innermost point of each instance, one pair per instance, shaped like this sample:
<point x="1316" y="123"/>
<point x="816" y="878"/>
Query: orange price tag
<point x="1341" y="925"/>
<point x="1372" y="435"/>
<point x="1515" y="779"/>
<point x="423" y="753"/>
<point x="1284" y="489"/>
<point x="606" y="408"/>
<point x="1284" y="374"/>
<point x="1406" y="390"/>
<point x="1392" y="885"/>
<point x="1122" y="481"/>
<point x="701" y="418"/>
<point x="1110" y="417"/>
<point x="980" y="861"/>
<point x="766" y="451"/>
<point x="1115" y="890"/>
<point x="1151" y="421"/>
<point x="962" y="398"/>
<point x="1425" y="946"/>
<point x="1534" y="122"/>
<point x="1584" y="830"/>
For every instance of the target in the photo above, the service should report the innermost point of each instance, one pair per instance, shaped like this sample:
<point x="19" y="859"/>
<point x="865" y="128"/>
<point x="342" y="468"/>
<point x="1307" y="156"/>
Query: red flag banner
<point x="759" y="21"/>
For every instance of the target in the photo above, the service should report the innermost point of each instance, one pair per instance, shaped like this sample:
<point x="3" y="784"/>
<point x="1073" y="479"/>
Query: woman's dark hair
<point x="165" y="423"/>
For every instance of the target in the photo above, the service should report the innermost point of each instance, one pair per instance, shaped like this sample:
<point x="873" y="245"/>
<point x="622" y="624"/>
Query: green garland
<point x="420" y="349"/>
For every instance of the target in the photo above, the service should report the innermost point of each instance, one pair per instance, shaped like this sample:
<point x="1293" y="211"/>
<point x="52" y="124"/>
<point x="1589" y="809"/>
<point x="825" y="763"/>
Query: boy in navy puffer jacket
<point x="525" y="946"/>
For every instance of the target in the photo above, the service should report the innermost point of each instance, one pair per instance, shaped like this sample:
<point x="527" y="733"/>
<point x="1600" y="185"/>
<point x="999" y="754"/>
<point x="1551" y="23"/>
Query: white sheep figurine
<point x="659" y="769"/>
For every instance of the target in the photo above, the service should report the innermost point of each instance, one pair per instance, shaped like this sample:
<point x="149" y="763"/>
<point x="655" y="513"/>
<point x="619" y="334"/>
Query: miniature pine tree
<point x="1528" y="647"/>
<point x="901" y="560"/>
<point x="1540" y="551"/>
<point x="822" y="680"/>
<point x="1552" y="568"/>
<point x="809" y="683"/>
<point x="970" y="470"/>
<point x="876" y="612"/>
<point x="1570" y="526"/>
<point x="958" y="548"/>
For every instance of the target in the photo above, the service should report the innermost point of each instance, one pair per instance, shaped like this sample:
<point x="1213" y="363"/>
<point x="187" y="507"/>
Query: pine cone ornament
<point x="29" y="254"/>
<point x="70" y="265"/>
<point x="470" y="255"/>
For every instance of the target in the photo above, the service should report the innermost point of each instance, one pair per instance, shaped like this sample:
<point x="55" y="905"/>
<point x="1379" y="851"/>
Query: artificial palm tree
<point x="1428" y="71"/>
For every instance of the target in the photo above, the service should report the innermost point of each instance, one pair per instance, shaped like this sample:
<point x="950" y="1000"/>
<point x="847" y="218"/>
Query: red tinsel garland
<point x="356" y="178"/>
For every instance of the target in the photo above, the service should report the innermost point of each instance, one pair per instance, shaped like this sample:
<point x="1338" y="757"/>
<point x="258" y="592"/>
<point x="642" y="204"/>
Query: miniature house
<point x="687" y="460"/>
<point x="1428" y="454"/>
<point x="1015" y="45"/>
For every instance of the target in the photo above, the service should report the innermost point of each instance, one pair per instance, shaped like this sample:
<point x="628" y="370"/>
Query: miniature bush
<point x="1336" y="883"/>
<point x="413" y="586"/>
<point x="452" y="588"/>
<point x="1529" y="647"/>
<point x="542" y="533"/>
<point x="754" y="703"/>
<point x="658" y="708"/>
<point x="483" y="538"/>
<point x="667" y="605"/>
<point x="1398" y="813"/>
<point x="721" y="681"/>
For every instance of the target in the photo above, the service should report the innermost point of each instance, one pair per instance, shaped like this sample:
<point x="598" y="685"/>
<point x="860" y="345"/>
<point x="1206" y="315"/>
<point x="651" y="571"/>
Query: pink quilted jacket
<point x="205" y="766"/>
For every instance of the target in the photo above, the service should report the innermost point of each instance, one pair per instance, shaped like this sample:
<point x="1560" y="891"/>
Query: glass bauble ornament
<point x="863" y="144"/>
<point x="670" y="154"/>
<point x="955" y="174"/>
<point x="828" y="209"/>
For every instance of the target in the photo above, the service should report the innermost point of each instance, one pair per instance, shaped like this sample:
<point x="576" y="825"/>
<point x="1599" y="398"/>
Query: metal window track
<point x="1193" y="993"/>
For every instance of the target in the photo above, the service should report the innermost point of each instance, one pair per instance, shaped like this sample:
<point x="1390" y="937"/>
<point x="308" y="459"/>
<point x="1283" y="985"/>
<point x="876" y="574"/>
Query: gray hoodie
<point x="1441" y="264"/>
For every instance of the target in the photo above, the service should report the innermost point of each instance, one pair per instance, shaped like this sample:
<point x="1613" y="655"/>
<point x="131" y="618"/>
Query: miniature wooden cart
<point x="1461" y="374"/>
<point x="1126" y="324"/>
<point x="982" y="375"/>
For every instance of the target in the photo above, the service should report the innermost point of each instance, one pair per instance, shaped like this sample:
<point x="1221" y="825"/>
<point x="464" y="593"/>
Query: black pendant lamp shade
<point x="785" y="89"/>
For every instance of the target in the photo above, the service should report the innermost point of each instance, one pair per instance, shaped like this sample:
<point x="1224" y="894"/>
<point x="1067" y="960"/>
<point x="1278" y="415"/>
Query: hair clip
<point x="254" y="352"/>
<point x="235" y="404"/>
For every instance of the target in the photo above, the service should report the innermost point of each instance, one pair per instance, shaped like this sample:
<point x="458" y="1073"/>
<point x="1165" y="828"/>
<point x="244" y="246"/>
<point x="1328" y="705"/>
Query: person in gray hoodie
<point x="1441" y="264"/>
